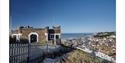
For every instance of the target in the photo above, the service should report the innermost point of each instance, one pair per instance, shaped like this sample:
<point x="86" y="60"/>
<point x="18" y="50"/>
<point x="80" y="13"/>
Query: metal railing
<point x="24" y="53"/>
<point x="30" y="52"/>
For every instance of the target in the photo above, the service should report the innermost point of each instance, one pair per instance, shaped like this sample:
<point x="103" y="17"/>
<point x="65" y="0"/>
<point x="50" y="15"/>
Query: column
<point x="55" y="39"/>
<point x="46" y="34"/>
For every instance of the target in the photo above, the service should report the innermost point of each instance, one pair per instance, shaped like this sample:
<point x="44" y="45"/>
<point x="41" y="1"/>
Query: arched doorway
<point x="33" y="37"/>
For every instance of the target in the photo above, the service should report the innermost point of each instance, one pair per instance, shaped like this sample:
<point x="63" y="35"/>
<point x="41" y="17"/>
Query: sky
<point x="74" y="16"/>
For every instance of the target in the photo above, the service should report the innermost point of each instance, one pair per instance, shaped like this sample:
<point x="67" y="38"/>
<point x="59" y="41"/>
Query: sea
<point x="74" y="35"/>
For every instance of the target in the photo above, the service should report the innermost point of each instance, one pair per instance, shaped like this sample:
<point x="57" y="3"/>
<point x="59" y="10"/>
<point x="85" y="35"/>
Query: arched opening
<point x="16" y="37"/>
<point x="33" y="37"/>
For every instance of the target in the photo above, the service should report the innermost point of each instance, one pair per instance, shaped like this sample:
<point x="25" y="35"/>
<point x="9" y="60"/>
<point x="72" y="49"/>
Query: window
<point x="52" y="36"/>
<point x="57" y="36"/>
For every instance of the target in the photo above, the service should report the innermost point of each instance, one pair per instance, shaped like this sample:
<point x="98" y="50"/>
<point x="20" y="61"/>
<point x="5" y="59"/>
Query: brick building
<point x="37" y="34"/>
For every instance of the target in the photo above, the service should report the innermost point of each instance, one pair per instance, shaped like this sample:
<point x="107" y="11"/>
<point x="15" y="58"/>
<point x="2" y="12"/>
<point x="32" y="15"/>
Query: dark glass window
<point x="57" y="36"/>
<point x="51" y="36"/>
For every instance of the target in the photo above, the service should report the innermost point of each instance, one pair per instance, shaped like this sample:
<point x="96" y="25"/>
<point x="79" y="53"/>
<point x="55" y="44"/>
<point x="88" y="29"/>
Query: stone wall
<point x="26" y="32"/>
<point x="40" y="32"/>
